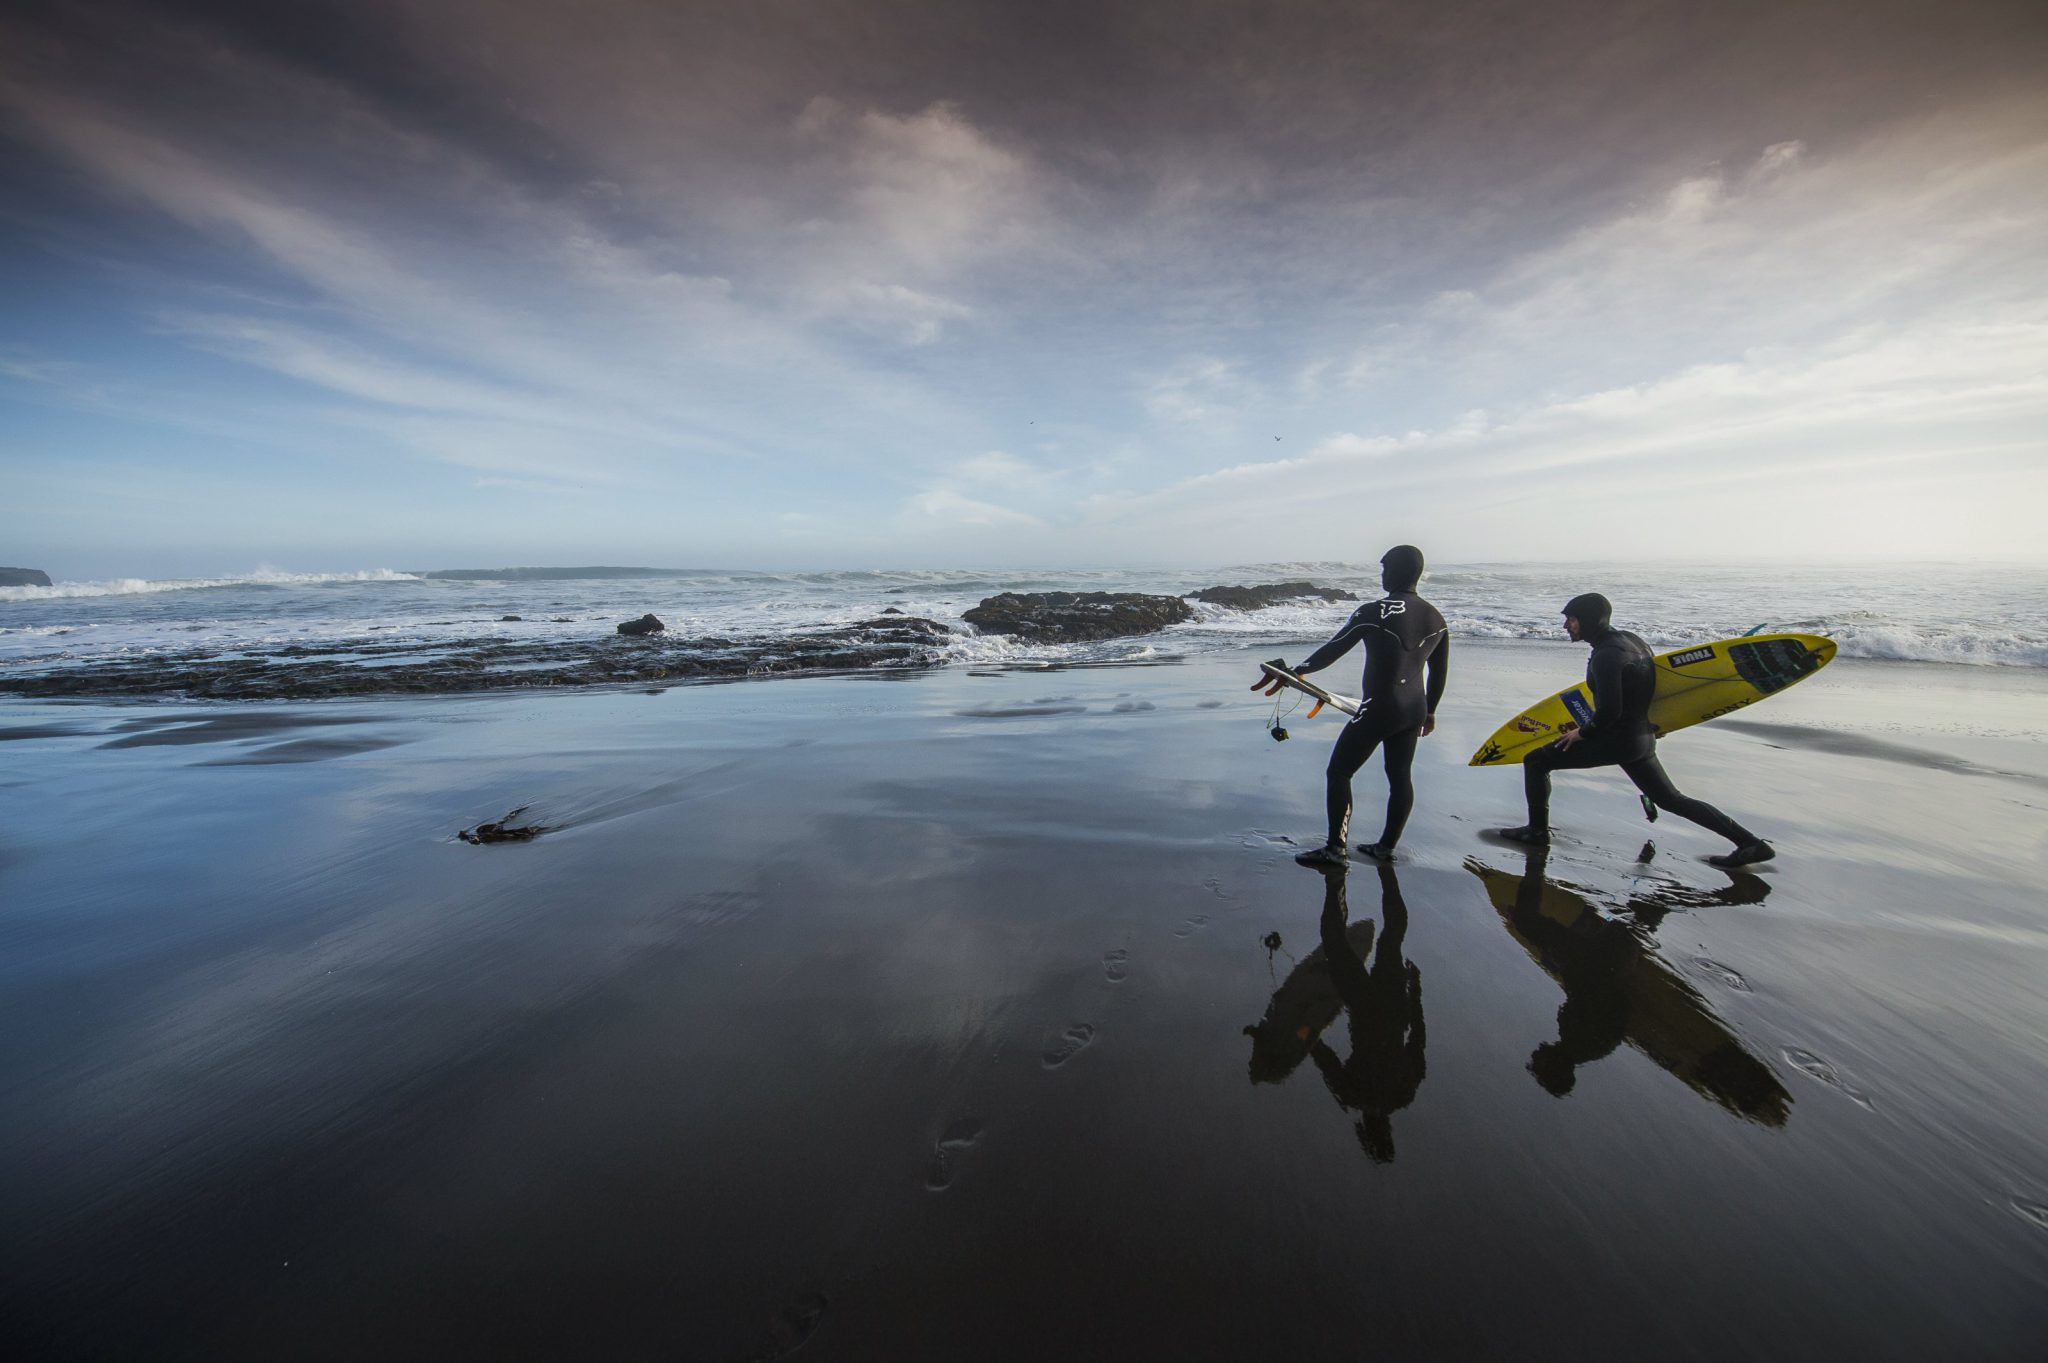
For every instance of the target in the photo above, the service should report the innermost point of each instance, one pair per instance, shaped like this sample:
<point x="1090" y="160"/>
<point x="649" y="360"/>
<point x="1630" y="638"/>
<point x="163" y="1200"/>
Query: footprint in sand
<point x="1192" y="926"/>
<point x="1215" y="887"/>
<point x="1116" y="965"/>
<point x="1261" y="840"/>
<point x="961" y="1135"/>
<point x="1727" y="975"/>
<point x="1813" y="1067"/>
<point x="789" y="1327"/>
<point x="1071" y="1043"/>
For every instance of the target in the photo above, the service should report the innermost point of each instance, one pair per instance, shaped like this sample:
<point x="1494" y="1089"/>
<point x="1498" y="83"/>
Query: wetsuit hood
<point x="1593" y="612"/>
<point x="1401" y="568"/>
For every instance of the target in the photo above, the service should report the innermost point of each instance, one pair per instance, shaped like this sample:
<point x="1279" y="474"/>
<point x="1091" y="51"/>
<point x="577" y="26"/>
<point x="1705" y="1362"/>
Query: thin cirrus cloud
<point x="766" y="284"/>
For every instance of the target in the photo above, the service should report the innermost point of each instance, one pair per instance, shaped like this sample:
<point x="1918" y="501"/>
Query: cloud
<point x="1200" y="389"/>
<point x="895" y="311"/>
<point x="1778" y="157"/>
<point x="23" y="369"/>
<point x="997" y="468"/>
<point x="729" y="267"/>
<point x="954" y="509"/>
<point x="915" y="208"/>
<point x="928" y="191"/>
<point x="528" y="309"/>
<point x="1786" y="434"/>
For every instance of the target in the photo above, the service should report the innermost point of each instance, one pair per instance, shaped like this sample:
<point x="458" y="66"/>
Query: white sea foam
<point x="1927" y="613"/>
<point x="140" y="586"/>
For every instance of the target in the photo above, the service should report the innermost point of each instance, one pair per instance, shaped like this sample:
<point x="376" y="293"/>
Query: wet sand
<point x="936" y="1017"/>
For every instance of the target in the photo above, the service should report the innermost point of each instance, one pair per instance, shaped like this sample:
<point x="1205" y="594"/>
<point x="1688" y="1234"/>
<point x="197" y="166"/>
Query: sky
<point x="338" y="286"/>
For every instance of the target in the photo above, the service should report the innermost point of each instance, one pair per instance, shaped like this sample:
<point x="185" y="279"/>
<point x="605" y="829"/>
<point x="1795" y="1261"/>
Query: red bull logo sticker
<point x="1530" y="725"/>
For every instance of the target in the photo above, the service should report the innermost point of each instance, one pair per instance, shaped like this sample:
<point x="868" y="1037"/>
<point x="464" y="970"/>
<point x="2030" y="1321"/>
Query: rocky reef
<point x="1271" y="594"/>
<point x="1076" y="617"/>
<point x="366" y="668"/>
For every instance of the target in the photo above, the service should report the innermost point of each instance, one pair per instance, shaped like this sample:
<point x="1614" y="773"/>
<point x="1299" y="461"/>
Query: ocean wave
<point x="140" y="586"/>
<point x="1870" y="637"/>
<point x="1978" y="618"/>
<point x="1982" y="648"/>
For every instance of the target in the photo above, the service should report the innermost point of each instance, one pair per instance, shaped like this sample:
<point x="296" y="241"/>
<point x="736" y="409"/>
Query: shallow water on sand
<point x="988" y="1015"/>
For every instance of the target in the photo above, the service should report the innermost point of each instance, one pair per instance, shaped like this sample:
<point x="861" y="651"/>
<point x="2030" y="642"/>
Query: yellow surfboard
<point x="1694" y="684"/>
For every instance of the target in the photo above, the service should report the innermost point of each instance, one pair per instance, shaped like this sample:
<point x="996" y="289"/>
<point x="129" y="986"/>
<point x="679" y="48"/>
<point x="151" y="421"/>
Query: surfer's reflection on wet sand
<point x="1383" y="1001"/>
<point x="1616" y="989"/>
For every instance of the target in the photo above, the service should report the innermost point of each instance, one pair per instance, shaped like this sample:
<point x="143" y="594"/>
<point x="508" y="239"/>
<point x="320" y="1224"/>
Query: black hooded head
<point x="1593" y="612"/>
<point x="1401" y="568"/>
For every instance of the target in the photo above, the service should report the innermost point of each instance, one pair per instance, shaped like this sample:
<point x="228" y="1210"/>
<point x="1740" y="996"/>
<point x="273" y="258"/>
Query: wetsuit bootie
<point x="1527" y="836"/>
<point x="1378" y="852"/>
<point x="1746" y="855"/>
<point x="1324" y="858"/>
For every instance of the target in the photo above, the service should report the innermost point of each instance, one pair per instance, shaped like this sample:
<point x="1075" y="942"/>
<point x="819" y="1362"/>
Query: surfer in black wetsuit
<point x="1401" y="632"/>
<point x="1622" y="677"/>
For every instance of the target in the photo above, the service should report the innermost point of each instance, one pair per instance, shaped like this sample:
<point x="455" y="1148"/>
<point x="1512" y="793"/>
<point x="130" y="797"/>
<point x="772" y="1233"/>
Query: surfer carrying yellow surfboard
<point x="1622" y="678"/>
<point x="1401" y="633"/>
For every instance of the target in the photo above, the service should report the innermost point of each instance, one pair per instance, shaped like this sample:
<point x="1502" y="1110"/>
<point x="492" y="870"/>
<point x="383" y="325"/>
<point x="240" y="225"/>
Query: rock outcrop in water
<point x="371" y="668"/>
<point x="1075" y="617"/>
<point x="1272" y="594"/>
<point x="25" y="577"/>
<point x="504" y="830"/>
<point x="646" y="624"/>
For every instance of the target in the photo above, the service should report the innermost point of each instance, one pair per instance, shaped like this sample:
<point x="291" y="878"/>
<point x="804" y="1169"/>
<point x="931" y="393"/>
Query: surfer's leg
<point x="1350" y="752"/>
<point x="1536" y="769"/>
<point x="1400" y="758"/>
<point x="1651" y="780"/>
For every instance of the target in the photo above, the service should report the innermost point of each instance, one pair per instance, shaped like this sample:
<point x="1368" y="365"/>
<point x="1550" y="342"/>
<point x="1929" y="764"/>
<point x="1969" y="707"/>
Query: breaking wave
<point x="142" y="586"/>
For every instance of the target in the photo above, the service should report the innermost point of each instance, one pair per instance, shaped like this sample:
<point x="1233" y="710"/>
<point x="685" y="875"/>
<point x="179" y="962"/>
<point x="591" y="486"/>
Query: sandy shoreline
<point x="907" y="1018"/>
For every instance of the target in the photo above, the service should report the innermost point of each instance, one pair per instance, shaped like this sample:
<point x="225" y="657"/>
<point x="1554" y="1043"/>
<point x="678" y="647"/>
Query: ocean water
<point x="1940" y="613"/>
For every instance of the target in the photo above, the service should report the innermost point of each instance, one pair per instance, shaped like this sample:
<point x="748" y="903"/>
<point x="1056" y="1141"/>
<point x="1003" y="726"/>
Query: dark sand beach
<point x="935" y="1017"/>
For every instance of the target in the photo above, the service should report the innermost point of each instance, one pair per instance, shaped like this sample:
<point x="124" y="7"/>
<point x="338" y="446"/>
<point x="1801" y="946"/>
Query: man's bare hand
<point x="1428" y="725"/>
<point x="1567" y="736"/>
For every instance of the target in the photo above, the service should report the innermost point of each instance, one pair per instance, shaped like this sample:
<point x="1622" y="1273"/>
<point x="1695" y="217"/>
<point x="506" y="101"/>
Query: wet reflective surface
<point x="905" y="1021"/>
<point x="1618" y="991"/>
<point x="1380" y="995"/>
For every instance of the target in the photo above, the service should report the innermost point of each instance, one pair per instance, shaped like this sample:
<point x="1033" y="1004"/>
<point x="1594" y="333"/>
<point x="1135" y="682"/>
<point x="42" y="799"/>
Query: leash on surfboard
<point x="1292" y="700"/>
<point x="1275" y="687"/>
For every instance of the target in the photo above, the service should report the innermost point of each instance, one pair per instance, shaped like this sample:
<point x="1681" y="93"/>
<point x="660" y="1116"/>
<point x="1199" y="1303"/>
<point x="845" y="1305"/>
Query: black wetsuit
<point x="1622" y="676"/>
<point x="1401" y="632"/>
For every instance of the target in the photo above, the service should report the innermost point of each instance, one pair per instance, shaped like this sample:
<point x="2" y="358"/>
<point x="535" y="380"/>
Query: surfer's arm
<point x="1353" y="631"/>
<point x="1439" y="666"/>
<point x="1603" y="679"/>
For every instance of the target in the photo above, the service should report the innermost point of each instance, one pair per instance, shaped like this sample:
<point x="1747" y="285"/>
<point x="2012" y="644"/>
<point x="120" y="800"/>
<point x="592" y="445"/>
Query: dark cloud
<point x="863" y="238"/>
<point x="1431" y="133"/>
